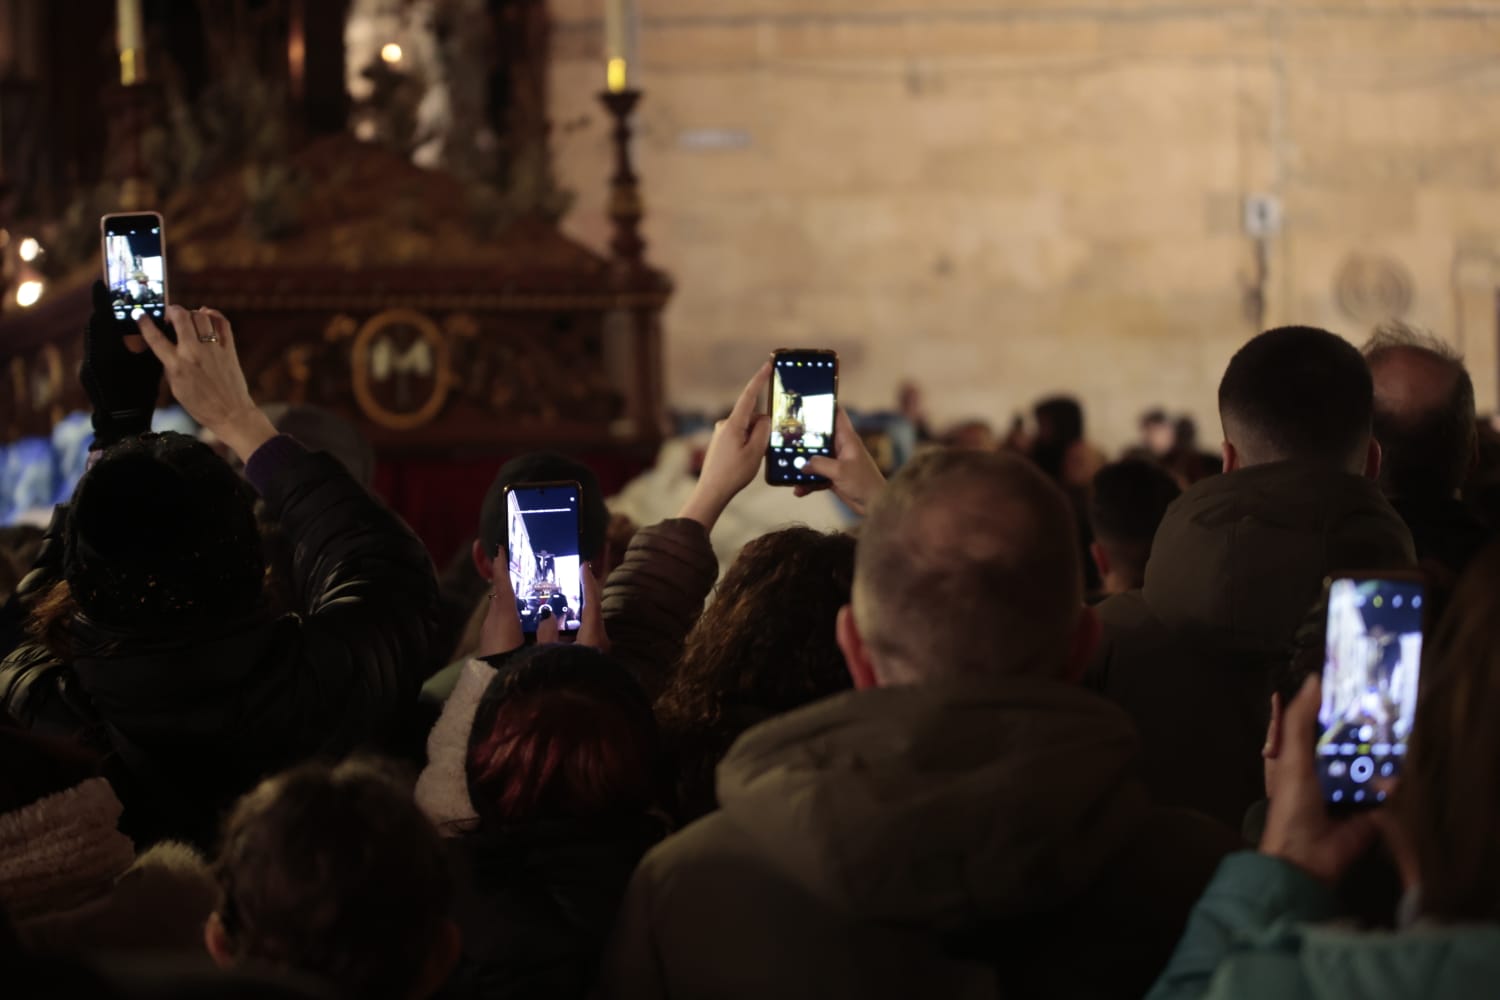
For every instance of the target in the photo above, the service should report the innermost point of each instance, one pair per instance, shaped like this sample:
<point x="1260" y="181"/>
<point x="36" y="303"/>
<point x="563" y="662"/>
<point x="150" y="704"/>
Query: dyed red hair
<point x="565" y="734"/>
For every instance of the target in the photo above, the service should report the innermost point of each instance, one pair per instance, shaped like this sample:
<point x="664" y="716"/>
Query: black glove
<point x="123" y="385"/>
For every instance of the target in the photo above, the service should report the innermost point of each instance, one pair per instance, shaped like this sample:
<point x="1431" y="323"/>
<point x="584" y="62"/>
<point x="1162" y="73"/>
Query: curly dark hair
<point x="764" y="646"/>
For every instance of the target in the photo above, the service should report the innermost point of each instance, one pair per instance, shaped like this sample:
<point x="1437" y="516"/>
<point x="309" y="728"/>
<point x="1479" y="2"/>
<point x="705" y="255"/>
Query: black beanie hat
<point x="162" y="536"/>
<point x="545" y="467"/>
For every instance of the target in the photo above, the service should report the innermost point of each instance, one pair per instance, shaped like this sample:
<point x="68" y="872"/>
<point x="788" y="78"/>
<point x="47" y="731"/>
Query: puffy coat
<point x="960" y="840"/>
<point x="193" y="721"/>
<point x="1238" y="562"/>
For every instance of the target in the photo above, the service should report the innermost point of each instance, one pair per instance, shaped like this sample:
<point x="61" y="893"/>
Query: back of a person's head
<point x="1300" y="394"/>
<point x="967" y="566"/>
<point x="162" y="537"/>
<point x="334" y="872"/>
<point x="767" y="643"/>
<point x="563" y="733"/>
<point x="1424" y="412"/>
<point x="1059" y="419"/>
<point x="1449" y="797"/>
<point x="545" y="467"/>
<point x="321" y="429"/>
<point x="1127" y="501"/>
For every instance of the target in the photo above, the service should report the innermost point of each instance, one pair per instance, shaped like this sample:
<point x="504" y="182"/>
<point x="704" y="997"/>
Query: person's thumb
<point x="760" y="433"/>
<point x="820" y="465"/>
<point x="1301" y="716"/>
<point x="156" y="340"/>
<point x="547" y="627"/>
<point x="592" y="632"/>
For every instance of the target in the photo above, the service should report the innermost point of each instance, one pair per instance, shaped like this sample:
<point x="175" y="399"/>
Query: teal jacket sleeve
<point x="1250" y="896"/>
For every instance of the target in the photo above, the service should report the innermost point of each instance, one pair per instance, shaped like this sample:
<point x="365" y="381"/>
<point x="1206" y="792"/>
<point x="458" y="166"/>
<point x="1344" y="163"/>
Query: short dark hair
<point x="563" y="733"/>
<point x="334" y="871"/>
<point x="545" y="467"/>
<point x="1426" y="449"/>
<point x="968" y="565"/>
<point x="1127" y="501"/>
<point x="1297" y="393"/>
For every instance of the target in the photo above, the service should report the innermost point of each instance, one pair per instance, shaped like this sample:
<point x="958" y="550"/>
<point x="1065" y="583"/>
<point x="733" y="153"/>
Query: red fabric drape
<point x="440" y="498"/>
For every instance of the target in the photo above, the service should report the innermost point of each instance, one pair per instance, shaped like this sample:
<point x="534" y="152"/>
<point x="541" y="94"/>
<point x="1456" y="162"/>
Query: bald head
<point x="967" y="565"/>
<point x="1424" y="412"/>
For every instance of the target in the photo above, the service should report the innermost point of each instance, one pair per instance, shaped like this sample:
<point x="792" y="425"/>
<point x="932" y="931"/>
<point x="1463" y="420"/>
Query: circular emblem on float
<point x="400" y="369"/>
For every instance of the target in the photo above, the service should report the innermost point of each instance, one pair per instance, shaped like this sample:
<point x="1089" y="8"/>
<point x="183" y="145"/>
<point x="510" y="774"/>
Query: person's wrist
<point x="705" y="505"/>
<point x="244" y="432"/>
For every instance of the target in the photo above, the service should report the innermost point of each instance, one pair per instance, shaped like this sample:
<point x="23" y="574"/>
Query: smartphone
<point x="135" y="263"/>
<point x="1372" y="662"/>
<point x="543" y="530"/>
<point x="804" y="398"/>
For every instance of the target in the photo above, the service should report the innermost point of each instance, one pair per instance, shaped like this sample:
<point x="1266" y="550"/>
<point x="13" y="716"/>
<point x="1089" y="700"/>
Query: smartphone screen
<point x="545" y="566"/>
<point x="135" y="264"/>
<point x="1372" y="661"/>
<point x="804" y="394"/>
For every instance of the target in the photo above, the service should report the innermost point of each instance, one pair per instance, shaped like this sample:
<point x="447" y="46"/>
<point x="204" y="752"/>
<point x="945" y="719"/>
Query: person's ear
<point x="1373" y="457"/>
<point x="216" y="941"/>
<point x="445" y="954"/>
<point x="1101" y="559"/>
<point x="1086" y="636"/>
<point x="856" y="655"/>
<point x="1231" y="456"/>
<point x="483" y="563"/>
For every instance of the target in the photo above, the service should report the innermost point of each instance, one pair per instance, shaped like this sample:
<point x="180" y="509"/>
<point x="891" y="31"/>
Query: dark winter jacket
<point x="536" y="904"/>
<point x="1235" y="567"/>
<point x="192" y="721"/>
<point x="1445" y="531"/>
<point x="964" y="840"/>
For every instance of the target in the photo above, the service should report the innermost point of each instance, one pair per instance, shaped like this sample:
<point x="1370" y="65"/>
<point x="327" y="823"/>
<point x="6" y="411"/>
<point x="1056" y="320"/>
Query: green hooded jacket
<point x="1260" y="931"/>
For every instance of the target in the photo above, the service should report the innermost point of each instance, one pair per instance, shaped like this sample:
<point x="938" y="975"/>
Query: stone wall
<point x="1004" y="198"/>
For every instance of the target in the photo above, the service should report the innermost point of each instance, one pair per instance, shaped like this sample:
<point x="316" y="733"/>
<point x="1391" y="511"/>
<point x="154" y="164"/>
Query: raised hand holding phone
<point x="1299" y="827"/>
<point x="205" y="375"/>
<point x="501" y="631"/>
<point x="851" y="473"/>
<point x="734" y="454"/>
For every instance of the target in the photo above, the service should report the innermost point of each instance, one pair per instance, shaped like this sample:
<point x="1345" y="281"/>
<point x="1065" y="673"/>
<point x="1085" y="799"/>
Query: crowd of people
<point x="1040" y="725"/>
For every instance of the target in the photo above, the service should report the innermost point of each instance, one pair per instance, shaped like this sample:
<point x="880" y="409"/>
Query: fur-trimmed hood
<point x="70" y="880"/>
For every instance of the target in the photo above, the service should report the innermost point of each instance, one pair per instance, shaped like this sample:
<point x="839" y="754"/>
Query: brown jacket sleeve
<point x="655" y="596"/>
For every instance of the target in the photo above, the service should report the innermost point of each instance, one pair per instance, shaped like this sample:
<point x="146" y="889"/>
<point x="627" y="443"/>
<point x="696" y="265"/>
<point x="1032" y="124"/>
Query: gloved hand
<point x="122" y="377"/>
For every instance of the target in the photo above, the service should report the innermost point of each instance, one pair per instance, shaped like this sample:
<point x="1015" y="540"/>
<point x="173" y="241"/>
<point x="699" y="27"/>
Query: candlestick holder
<point x="625" y="206"/>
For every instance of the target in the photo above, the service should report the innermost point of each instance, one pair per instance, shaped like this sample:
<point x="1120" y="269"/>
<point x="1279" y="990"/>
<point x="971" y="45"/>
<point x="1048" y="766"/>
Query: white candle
<point x="619" y="43"/>
<point x="128" y="25"/>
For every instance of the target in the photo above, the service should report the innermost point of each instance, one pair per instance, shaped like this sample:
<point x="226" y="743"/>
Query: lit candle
<point x="619" y="43"/>
<point x="130" y="40"/>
